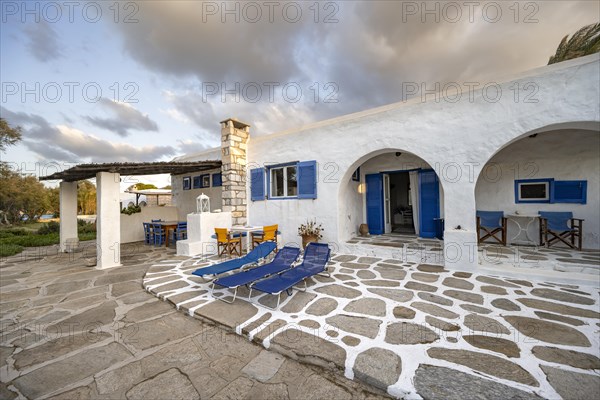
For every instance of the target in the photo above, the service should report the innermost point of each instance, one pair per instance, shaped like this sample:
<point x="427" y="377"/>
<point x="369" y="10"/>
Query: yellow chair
<point x="268" y="234"/>
<point x="228" y="242"/>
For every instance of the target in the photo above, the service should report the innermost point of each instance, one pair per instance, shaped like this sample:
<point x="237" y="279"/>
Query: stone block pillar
<point x="234" y="139"/>
<point x="68" y="213"/>
<point x="108" y="220"/>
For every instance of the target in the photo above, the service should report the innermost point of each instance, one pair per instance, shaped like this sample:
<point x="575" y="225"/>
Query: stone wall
<point x="234" y="138"/>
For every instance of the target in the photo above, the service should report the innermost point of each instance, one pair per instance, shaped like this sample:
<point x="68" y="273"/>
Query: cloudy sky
<point x="148" y="81"/>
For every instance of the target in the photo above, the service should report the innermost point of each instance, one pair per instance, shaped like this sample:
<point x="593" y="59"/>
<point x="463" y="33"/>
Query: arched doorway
<point x="551" y="169"/>
<point x="394" y="192"/>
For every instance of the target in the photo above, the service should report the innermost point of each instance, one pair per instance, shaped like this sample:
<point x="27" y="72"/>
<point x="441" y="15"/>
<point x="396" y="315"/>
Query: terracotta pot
<point x="306" y="239"/>
<point x="363" y="229"/>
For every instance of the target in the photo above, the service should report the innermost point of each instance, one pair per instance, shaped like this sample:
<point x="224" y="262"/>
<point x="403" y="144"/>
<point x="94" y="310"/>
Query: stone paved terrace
<point x="416" y="330"/>
<point x="515" y="259"/>
<point x="68" y="331"/>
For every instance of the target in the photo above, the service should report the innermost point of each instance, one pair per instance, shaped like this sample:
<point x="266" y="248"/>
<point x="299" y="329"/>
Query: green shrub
<point x="50" y="227"/>
<point x="87" y="236"/>
<point x="86" y="228"/>
<point x="13" y="232"/>
<point x="131" y="210"/>
<point x="33" y="240"/>
<point x="7" y="250"/>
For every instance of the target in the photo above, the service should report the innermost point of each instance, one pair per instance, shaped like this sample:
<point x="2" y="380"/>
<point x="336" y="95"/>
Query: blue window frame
<point x="532" y="190"/>
<point x="197" y="182"/>
<point x="187" y="182"/>
<point x="295" y="180"/>
<point x="217" y="179"/>
<point x="282" y="181"/>
<point x="201" y="181"/>
<point x="550" y="191"/>
<point x="205" y="180"/>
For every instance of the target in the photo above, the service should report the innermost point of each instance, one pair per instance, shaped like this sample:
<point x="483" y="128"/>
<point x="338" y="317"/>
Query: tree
<point x="21" y="195"/>
<point x="54" y="201"/>
<point x="584" y="42"/>
<point x="86" y="198"/>
<point x="8" y="136"/>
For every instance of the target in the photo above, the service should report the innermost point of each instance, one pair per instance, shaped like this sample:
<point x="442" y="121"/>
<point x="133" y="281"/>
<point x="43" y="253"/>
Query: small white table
<point x="530" y="218"/>
<point x="247" y="230"/>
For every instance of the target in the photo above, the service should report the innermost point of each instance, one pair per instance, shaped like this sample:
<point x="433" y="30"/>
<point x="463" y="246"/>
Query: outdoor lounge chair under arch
<point x="315" y="261"/>
<point x="282" y="262"/>
<point x="257" y="254"/>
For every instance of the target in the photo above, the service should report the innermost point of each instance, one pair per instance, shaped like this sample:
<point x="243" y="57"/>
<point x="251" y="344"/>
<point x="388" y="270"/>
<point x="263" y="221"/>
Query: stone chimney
<point x="234" y="137"/>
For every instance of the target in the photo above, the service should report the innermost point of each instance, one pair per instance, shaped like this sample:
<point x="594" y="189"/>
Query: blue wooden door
<point x="375" y="203"/>
<point x="429" y="203"/>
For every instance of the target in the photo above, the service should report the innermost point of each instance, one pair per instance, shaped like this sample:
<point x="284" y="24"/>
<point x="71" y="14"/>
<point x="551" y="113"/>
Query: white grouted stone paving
<point x="468" y="299"/>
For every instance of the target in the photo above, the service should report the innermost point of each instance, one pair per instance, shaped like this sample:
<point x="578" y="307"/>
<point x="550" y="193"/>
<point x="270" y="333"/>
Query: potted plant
<point x="310" y="232"/>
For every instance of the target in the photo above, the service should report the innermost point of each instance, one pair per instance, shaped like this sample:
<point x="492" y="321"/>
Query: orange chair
<point x="268" y="234"/>
<point x="228" y="242"/>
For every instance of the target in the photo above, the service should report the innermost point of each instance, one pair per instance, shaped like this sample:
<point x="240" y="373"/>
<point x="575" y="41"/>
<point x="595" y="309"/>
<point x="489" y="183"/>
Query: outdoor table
<point x="246" y="230"/>
<point x="530" y="219"/>
<point x="168" y="226"/>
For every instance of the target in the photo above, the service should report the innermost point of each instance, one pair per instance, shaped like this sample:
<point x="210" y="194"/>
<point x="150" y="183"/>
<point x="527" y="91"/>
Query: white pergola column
<point x="460" y="244"/>
<point x="108" y="220"/>
<point x="68" y="213"/>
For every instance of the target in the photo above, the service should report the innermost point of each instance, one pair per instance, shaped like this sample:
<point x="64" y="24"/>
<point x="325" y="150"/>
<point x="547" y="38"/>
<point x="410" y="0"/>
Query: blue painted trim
<point x="544" y="180"/>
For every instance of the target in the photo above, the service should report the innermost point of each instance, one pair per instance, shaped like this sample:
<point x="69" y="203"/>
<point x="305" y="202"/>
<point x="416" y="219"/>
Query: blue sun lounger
<point x="282" y="261"/>
<point x="315" y="260"/>
<point x="261" y="251"/>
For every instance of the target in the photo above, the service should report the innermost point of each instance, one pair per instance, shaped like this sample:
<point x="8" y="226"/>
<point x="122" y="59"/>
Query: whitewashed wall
<point x="132" y="228"/>
<point x="562" y="155"/>
<point x="185" y="200"/>
<point x="456" y="138"/>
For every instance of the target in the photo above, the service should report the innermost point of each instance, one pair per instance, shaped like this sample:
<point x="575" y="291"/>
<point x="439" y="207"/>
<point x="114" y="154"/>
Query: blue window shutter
<point x="257" y="184"/>
<point x="197" y="182"/>
<point x="569" y="192"/>
<point x="307" y="180"/>
<point x="216" y="180"/>
<point x="374" y="184"/>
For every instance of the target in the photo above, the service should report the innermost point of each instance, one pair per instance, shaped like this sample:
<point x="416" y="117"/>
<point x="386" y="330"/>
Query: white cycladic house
<point x="425" y="167"/>
<point x="421" y="167"/>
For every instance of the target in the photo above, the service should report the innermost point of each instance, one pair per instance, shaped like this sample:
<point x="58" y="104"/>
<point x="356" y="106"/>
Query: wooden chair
<point x="268" y="234"/>
<point x="228" y="242"/>
<point x="555" y="228"/>
<point x="180" y="233"/>
<point x="491" y="223"/>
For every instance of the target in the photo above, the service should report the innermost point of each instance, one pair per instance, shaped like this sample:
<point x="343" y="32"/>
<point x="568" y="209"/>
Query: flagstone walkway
<point x="416" y="330"/>
<point x="533" y="258"/>
<point x="68" y="331"/>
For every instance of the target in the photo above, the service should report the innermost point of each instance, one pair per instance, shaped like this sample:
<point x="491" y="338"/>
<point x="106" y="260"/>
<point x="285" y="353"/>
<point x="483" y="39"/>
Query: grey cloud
<point x="369" y="53"/>
<point x="64" y="144"/>
<point x="43" y="41"/>
<point x="125" y="118"/>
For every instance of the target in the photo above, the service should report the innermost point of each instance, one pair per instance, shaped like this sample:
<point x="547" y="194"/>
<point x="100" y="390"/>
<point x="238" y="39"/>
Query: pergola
<point x="108" y="211"/>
